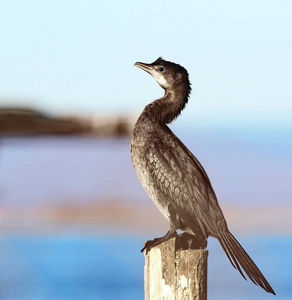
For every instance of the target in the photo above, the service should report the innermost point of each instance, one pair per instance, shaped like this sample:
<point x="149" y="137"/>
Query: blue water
<point x="253" y="167"/>
<point x="69" y="267"/>
<point x="247" y="167"/>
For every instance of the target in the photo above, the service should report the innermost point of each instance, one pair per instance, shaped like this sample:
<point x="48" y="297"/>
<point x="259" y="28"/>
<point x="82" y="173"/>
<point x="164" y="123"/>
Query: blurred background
<point x="73" y="215"/>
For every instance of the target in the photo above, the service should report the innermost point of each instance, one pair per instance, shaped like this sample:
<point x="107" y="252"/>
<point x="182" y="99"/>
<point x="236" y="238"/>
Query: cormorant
<point x="174" y="178"/>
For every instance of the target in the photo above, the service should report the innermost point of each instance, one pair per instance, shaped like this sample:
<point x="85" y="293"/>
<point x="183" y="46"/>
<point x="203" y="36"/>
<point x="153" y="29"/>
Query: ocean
<point x="246" y="168"/>
<point x="70" y="266"/>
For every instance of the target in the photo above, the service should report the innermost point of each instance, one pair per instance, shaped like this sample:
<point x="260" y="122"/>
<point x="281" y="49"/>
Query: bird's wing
<point x="184" y="182"/>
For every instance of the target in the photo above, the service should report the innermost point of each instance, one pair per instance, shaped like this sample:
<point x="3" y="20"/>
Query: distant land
<point x="28" y="121"/>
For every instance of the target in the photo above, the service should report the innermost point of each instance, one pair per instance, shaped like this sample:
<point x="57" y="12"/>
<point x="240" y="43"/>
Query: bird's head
<point x="167" y="74"/>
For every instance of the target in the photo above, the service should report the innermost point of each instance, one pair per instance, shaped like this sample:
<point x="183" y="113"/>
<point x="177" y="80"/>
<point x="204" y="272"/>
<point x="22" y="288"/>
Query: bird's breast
<point x="144" y="170"/>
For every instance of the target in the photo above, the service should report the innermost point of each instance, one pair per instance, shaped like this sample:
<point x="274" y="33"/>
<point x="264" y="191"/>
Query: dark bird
<point x="174" y="178"/>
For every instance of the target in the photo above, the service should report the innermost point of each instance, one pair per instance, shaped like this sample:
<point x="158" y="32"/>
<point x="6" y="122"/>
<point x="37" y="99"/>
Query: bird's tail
<point x="240" y="259"/>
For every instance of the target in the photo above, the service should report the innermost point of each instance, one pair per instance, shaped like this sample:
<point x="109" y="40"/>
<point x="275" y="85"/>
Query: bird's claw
<point x="150" y="244"/>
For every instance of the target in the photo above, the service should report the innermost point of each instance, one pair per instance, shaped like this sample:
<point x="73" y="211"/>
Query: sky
<point x="78" y="56"/>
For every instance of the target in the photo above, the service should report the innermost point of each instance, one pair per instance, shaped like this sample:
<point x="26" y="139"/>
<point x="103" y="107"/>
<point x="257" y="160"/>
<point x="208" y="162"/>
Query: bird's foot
<point x="150" y="244"/>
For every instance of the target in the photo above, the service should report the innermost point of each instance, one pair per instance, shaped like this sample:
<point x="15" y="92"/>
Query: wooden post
<point x="176" y="270"/>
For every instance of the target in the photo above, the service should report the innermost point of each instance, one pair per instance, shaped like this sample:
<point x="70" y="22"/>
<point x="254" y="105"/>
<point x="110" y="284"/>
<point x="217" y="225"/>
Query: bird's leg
<point x="150" y="244"/>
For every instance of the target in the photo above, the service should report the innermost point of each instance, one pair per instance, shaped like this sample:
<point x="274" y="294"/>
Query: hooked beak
<point x="155" y="74"/>
<point x="148" y="68"/>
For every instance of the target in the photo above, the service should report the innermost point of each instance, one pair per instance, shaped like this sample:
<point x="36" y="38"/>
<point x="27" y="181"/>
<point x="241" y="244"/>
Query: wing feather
<point x="184" y="183"/>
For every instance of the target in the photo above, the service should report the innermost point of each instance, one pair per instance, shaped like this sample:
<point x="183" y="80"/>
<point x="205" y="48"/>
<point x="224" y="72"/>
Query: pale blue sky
<point x="78" y="56"/>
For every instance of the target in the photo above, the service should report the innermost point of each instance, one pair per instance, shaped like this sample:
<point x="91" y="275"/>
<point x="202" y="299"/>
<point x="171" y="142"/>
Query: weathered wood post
<point x="176" y="270"/>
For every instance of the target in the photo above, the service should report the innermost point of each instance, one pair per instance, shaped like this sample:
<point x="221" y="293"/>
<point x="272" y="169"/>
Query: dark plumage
<point x="173" y="177"/>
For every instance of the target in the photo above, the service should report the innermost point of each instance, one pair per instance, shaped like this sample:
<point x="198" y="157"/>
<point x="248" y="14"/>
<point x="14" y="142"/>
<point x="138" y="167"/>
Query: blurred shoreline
<point x="15" y="121"/>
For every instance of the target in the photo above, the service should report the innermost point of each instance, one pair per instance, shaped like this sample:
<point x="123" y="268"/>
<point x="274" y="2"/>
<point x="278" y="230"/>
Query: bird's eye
<point x="161" y="69"/>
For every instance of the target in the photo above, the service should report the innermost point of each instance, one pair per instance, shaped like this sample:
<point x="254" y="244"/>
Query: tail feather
<point x="241" y="260"/>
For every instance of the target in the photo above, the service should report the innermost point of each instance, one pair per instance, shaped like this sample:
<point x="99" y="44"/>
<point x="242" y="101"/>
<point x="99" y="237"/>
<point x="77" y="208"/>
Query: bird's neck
<point x="167" y="108"/>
